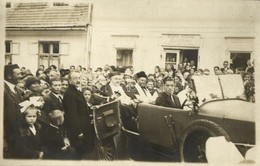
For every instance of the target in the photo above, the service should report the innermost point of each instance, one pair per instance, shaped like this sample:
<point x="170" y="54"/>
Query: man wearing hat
<point x="12" y="115"/>
<point x="33" y="88"/>
<point x="143" y="93"/>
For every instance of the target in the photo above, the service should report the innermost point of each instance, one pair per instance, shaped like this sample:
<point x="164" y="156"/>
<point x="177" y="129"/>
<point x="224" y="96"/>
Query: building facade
<point x="146" y="33"/>
<point x="142" y="34"/>
<point x="47" y="34"/>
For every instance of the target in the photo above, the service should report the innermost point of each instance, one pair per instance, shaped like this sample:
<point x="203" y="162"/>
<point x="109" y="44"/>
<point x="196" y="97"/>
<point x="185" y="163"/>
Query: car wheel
<point x="193" y="140"/>
<point x="106" y="150"/>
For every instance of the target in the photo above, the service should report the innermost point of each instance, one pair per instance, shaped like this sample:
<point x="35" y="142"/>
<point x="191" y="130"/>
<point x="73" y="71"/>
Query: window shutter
<point x="33" y="48"/>
<point x="64" y="48"/>
<point x="15" y="48"/>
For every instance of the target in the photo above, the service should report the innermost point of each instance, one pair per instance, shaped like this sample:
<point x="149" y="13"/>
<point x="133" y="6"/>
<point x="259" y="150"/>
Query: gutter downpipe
<point x="89" y="35"/>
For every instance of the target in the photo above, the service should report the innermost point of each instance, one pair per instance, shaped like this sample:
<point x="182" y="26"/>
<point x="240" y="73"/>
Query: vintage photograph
<point x="136" y="81"/>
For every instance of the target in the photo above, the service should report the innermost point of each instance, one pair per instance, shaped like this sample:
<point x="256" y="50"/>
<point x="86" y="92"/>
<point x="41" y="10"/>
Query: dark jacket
<point x="12" y="115"/>
<point x="28" y="145"/>
<point x="51" y="102"/>
<point x="165" y="100"/>
<point x="107" y="91"/>
<point x="53" y="140"/>
<point x="77" y="118"/>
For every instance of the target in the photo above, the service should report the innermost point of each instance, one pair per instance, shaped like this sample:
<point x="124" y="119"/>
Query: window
<point x="124" y="57"/>
<point x="49" y="53"/>
<point x="8" y="54"/>
<point x="8" y="5"/>
<point x="172" y="58"/>
<point x="239" y="60"/>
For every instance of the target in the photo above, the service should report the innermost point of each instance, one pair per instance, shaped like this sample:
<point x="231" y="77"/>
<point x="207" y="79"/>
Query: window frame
<point x="49" y="55"/>
<point x="126" y="49"/>
<point x="8" y="55"/>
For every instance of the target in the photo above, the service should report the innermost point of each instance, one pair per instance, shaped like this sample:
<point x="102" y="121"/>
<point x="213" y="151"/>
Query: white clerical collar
<point x="11" y="86"/>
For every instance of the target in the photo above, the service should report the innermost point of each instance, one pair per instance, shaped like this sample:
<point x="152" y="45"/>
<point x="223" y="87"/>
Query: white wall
<point x="213" y="20"/>
<point x="77" y="46"/>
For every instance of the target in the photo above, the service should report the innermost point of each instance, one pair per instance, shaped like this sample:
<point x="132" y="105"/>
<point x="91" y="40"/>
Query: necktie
<point x="172" y="99"/>
<point x="60" y="98"/>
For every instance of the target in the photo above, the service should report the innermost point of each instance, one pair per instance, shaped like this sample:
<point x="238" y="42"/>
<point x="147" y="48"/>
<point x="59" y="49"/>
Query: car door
<point x="154" y="128"/>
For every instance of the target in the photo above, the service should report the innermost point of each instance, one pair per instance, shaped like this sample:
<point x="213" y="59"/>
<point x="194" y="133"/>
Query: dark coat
<point x="165" y="100"/>
<point x="77" y="119"/>
<point x="12" y="115"/>
<point x="106" y="90"/>
<point x="53" y="140"/>
<point x="51" y="103"/>
<point x="131" y="91"/>
<point x="28" y="145"/>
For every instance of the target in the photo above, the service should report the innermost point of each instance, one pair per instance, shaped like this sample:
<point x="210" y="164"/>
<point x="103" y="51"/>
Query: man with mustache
<point x="77" y="117"/>
<point x="12" y="114"/>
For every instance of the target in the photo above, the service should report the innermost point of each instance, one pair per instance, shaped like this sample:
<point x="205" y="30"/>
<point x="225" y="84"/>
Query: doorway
<point x="239" y="60"/>
<point x="176" y="56"/>
<point x="189" y="55"/>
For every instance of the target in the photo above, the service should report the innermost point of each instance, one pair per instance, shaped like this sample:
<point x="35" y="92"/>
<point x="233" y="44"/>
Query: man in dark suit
<point x="77" y="116"/>
<point x="53" y="101"/>
<point x="167" y="98"/>
<point x="12" y="114"/>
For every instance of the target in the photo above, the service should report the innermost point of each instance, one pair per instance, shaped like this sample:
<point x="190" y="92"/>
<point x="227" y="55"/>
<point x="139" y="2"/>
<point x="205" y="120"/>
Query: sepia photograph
<point x="133" y="82"/>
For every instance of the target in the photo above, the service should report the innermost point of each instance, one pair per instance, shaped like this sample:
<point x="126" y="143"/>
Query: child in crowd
<point x="55" y="140"/>
<point x="29" y="139"/>
<point x="93" y="99"/>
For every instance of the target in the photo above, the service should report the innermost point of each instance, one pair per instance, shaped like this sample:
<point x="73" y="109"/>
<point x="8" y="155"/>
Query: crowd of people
<point x="49" y="115"/>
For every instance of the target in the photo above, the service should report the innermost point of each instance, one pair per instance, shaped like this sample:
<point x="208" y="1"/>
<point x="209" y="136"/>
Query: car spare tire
<point x="194" y="137"/>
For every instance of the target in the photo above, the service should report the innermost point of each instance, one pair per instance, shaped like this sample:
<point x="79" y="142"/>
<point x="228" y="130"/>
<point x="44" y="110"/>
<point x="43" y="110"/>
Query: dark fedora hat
<point x="141" y="74"/>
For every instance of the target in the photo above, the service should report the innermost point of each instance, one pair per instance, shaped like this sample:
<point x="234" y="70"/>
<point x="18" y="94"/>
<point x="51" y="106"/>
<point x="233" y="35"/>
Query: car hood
<point x="229" y="109"/>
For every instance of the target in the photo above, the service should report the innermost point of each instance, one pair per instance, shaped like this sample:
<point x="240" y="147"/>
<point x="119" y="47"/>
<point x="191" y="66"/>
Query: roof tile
<point x="40" y="15"/>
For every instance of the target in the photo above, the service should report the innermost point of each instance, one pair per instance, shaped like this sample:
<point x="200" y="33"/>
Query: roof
<point x="44" y="15"/>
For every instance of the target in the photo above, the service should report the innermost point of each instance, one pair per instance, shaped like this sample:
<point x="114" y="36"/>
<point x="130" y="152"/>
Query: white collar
<point x="11" y="86"/>
<point x="33" y="130"/>
<point x="54" y="126"/>
<point x="57" y="95"/>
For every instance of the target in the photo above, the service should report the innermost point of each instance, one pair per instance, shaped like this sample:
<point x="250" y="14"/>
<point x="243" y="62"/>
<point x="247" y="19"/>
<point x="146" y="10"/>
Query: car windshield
<point x="211" y="87"/>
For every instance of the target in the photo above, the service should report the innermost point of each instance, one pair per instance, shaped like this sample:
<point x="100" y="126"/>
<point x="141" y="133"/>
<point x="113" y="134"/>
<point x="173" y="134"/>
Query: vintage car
<point x="170" y="134"/>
